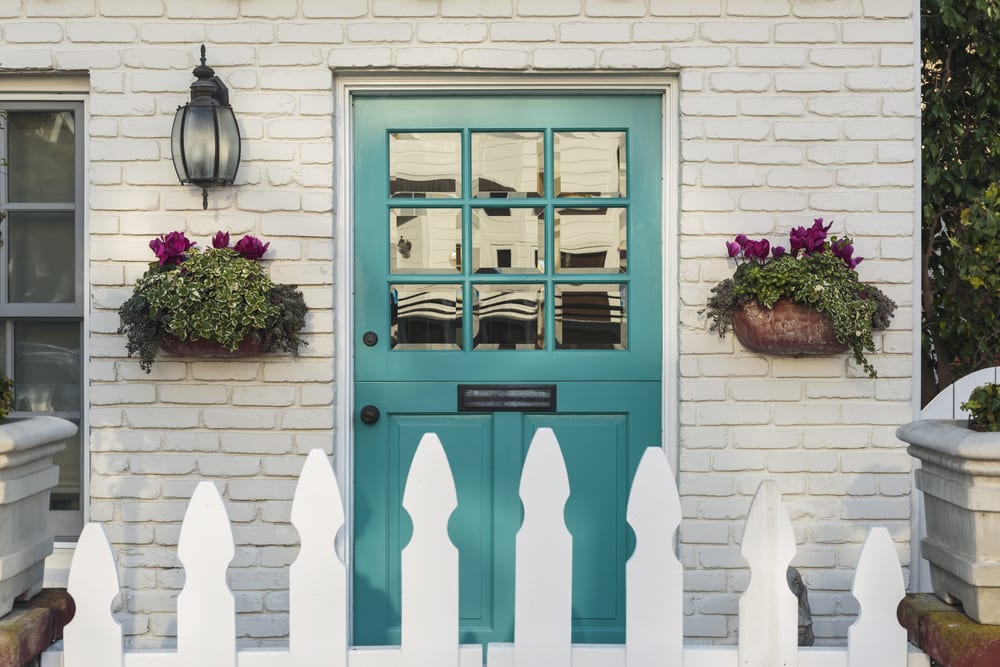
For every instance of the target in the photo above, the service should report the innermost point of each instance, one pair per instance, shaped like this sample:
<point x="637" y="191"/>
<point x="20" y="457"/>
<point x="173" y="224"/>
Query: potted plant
<point x="806" y="299"/>
<point x="216" y="301"/>
<point x="959" y="476"/>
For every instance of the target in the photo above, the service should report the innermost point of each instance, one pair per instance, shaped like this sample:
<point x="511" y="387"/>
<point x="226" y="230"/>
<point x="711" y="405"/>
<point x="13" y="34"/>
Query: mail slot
<point x="506" y="398"/>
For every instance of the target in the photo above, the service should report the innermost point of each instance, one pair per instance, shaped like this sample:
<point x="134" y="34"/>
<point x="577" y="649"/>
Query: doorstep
<point x="31" y="627"/>
<point x="947" y="635"/>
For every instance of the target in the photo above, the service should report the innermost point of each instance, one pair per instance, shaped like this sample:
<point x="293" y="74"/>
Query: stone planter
<point x="787" y="329"/>
<point x="27" y="474"/>
<point x="960" y="480"/>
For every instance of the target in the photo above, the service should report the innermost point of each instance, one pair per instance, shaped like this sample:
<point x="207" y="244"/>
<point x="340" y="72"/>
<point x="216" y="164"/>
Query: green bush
<point x="984" y="406"/>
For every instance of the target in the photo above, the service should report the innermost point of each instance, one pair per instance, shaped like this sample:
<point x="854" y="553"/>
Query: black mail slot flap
<point x="506" y="398"/>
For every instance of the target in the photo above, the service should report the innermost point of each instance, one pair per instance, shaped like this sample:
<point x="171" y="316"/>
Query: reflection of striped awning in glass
<point x="590" y="306"/>
<point x="510" y="303"/>
<point x="435" y="304"/>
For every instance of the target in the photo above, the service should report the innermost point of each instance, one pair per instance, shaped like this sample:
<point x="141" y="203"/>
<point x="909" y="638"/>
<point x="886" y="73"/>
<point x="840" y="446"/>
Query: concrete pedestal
<point x="27" y="474"/>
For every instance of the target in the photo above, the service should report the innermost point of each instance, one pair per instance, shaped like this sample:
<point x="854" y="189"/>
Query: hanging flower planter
<point x="788" y="328"/>
<point x="207" y="348"/>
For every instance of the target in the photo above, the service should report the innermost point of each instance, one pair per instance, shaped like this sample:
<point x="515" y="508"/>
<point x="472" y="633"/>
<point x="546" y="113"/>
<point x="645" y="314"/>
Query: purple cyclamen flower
<point x="733" y="248"/>
<point x="777" y="251"/>
<point x="170" y="248"/>
<point x="845" y="250"/>
<point x="742" y="240"/>
<point x="809" y="240"/>
<point x="250" y="247"/>
<point x="220" y="240"/>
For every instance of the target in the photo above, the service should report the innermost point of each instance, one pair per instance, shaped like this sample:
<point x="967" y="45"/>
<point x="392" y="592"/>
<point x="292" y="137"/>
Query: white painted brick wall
<point x="789" y="110"/>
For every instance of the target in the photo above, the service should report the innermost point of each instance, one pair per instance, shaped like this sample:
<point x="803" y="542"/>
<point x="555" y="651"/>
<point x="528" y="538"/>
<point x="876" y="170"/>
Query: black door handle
<point x="370" y="414"/>
<point x="370" y="338"/>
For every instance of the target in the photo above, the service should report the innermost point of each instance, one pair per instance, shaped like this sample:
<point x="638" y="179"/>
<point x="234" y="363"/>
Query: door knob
<point x="370" y="414"/>
<point x="370" y="338"/>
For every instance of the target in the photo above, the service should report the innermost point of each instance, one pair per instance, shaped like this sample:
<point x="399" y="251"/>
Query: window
<point x="41" y="290"/>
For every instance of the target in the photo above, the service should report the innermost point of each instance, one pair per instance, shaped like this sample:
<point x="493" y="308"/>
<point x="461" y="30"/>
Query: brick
<point x="876" y="508"/>
<point x="522" y="32"/>
<point x="426" y="57"/>
<point x="59" y="8"/>
<point x="318" y="33"/>
<point x="324" y="9"/>
<point x="878" y="32"/>
<point x="563" y="58"/>
<point x="25" y="58"/>
<point x="201" y="9"/>
<point x="799" y="178"/>
<point x="271" y="9"/>
<point x="549" y="7"/>
<point x="700" y="56"/>
<point x="774" y="56"/>
<point x="379" y="32"/>
<point x="495" y="58"/>
<point x="485" y="8"/>
<point x="844" y="105"/>
<point x="603" y="31"/>
<point x="770" y="154"/>
<point x="807" y="82"/>
<point x="653" y="31"/>
<point x="685" y="7"/>
<point x="806" y="32"/>
<point x="828" y="9"/>
<point x="35" y="32"/>
<point x="739" y="82"/>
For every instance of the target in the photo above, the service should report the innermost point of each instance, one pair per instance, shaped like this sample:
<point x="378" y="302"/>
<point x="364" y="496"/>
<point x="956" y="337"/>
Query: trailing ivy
<point x="961" y="164"/>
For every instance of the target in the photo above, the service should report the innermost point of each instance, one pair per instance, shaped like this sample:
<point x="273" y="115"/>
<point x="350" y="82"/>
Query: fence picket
<point x="654" y="613"/>
<point x="543" y="564"/>
<point x="768" y="639"/>
<point x="93" y="637"/>
<point x="429" y="562"/>
<point x="876" y="638"/>
<point x="317" y="580"/>
<point x="206" y="613"/>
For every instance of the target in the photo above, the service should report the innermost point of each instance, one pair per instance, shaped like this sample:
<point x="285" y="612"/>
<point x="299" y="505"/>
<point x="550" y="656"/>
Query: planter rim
<point x="951" y="437"/>
<point x="24" y="433"/>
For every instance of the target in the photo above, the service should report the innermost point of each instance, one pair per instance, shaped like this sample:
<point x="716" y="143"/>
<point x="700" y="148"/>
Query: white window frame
<point x="70" y="93"/>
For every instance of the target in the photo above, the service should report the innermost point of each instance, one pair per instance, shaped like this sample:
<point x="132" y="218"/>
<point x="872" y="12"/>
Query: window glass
<point x="41" y="147"/>
<point x="591" y="316"/>
<point x="591" y="240"/>
<point x="426" y="317"/>
<point x="508" y="240"/>
<point x="425" y="164"/>
<point x="425" y="240"/>
<point x="41" y="250"/>
<point x="590" y="164"/>
<point x="507" y="164"/>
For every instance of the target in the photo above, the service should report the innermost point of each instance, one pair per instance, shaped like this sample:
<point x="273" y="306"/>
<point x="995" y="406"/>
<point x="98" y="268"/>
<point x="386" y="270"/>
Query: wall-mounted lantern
<point x="205" y="140"/>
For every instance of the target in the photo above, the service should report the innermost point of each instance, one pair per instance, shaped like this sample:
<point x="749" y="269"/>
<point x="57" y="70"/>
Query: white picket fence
<point x="206" y="635"/>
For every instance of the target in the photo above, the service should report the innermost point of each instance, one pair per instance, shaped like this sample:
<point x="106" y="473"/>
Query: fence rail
<point x="206" y="635"/>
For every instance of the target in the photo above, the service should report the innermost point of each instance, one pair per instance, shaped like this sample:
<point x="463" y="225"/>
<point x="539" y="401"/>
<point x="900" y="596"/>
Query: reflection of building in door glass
<point x="422" y="240"/>
<point x="507" y="164"/>
<point x="591" y="316"/>
<point x="508" y="240"/>
<point x="426" y="317"/>
<point x="591" y="240"/>
<point x="425" y="164"/>
<point x="589" y="164"/>
<point x="509" y="317"/>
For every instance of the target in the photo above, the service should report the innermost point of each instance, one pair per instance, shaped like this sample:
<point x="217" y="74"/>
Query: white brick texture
<point x="789" y="111"/>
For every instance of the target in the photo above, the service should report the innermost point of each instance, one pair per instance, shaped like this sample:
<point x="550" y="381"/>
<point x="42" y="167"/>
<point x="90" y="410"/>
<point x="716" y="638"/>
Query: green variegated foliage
<point x="6" y="395"/>
<point x="960" y="43"/>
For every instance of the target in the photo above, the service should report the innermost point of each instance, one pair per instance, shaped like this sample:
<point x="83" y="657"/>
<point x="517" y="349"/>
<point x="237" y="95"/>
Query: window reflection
<point x="41" y="257"/>
<point x="589" y="164"/>
<point x="425" y="164"/>
<point x="508" y="240"/>
<point x="426" y="317"/>
<point x="426" y="240"/>
<point x="591" y="316"/>
<point x="591" y="240"/>
<point x="507" y="164"/>
<point x="47" y="366"/>
<point x="509" y="317"/>
<point x="42" y="149"/>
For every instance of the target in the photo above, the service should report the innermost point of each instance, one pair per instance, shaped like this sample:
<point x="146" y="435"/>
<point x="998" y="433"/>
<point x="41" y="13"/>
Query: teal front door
<point x="507" y="272"/>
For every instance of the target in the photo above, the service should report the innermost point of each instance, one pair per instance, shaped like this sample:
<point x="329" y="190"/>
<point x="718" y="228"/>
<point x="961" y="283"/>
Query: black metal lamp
<point x="205" y="140"/>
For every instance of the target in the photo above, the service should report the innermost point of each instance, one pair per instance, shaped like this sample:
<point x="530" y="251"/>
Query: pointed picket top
<point x="206" y="614"/>
<point x="768" y="639"/>
<point x="93" y="637"/>
<point x="429" y="562"/>
<point x="654" y="612"/>
<point x="543" y="574"/>
<point x="317" y="580"/>
<point x="877" y="638"/>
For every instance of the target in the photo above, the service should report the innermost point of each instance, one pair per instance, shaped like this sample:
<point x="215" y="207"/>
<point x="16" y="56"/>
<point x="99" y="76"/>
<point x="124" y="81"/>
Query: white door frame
<point x="350" y="83"/>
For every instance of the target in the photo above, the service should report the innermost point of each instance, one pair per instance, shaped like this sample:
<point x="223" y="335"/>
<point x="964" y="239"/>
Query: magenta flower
<point x="733" y="248"/>
<point x="250" y="247"/>
<point x="170" y="248"/>
<point x="844" y="250"/>
<point x="777" y="251"/>
<point x="809" y="240"/>
<point x="220" y="240"/>
<point x="742" y="240"/>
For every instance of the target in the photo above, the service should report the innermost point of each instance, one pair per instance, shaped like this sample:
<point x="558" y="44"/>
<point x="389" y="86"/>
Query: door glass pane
<point x="47" y="366"/>
<point x="591" y="317"/>
<point x="508" y="240"/>
<point x="591" y="240"/>
<point x="426" y="317"/>
<point x="425" y="164"/>
<point x="41" y="156"/>
<point x="425" y="240"/>
<point x="509" y="317"/>
<point x="589" y="164"/>
<point x="507" y="164"/>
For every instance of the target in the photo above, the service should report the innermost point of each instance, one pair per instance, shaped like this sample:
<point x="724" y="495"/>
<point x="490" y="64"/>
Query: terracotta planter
<point x="27" y="475"/>
<point x="959" y="476"/>
<point x="788" y="329"/>
<point x="207" y="348"/>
